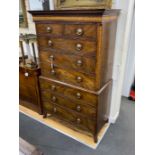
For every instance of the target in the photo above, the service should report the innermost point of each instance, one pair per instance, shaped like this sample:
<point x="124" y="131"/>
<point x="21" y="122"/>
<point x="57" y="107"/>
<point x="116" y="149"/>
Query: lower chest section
<point x="76" y="107"/>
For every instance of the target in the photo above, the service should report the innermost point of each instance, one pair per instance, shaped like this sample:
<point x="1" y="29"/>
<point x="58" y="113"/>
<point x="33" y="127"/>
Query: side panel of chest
<point x="105" y="52"/>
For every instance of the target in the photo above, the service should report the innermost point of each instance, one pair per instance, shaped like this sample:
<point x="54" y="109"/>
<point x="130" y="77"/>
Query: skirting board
<point x="113" y="119"/>
<point x="82" y="138"/>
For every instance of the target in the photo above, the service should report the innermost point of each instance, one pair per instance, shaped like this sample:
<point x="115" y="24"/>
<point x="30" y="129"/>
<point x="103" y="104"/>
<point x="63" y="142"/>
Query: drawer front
<point x="68" y="103"/>
<point x="80" y="31"/>
<point x="70" y="117"/>
<point x="71" y="62"/>
<point x="68" y="46"/>
<point x="74" y="94"/>
<point x="71" y="77"/>
<point x="50" y="29"/>
<point x="88" y="31"/>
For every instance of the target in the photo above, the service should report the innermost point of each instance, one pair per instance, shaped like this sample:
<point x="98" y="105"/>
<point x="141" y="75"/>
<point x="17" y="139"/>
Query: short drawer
<point x="68" y="46"/>
<point x="70" y="117"/>
<point x="68" y="61"/>
<point x="81" y="31"/>
<point x="71" y="77"/>
<point x="49" y="29"/>
<point x="72" y="93"/>
<point x="80" y="108"/>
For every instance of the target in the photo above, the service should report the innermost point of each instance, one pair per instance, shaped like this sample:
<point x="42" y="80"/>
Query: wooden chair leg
<point x="45" y="115"/>
<point x="96" y="138"/>
<point x="40" y="112"/>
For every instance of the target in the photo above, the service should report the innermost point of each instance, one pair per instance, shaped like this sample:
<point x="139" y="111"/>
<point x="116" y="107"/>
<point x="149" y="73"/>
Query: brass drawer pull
<point x="54" y="99"/>
<point x="26" y="74"/>
<point x="54" y="109"/>
<point x="53" y="87"/>
<point x="79" y="79"/>
<point x="79" y="63"/>
<point x="79" y="32"/>
<point x="78" y="95"/>
<point x="50" y="43"/>
<point x="48" y="29"/>
<point x="79" y="47"/>
<point x="78" y="108"/>
<point x="52" y="57"/>
<point x="53" y="72"/>
<point x="78" y="120"/>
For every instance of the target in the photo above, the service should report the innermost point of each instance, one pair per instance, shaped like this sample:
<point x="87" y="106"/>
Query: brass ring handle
<point x="78" y="95"/>
<point x="52" y="64"/>
<point x="54" y="109"/>
<point x="50" y="43"/>
<point x="79" y="32"/>
<point x="78" y="108"/>
<point x="54" y="99"/>
<point x="79" y="79"/>
<point x="48" y="29"/>
<point x="79" y="63"/>
<point x="79" y="47"/>
<point x="52" y="67"/>
<point x="78" y="120"/>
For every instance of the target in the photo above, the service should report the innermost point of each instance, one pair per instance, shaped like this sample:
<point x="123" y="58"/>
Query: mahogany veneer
<point x="29" y="88"/>
<point x="76" y="51"/>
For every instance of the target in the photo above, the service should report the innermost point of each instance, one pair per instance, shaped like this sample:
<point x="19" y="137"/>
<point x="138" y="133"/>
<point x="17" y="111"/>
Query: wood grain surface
<point x="76" y="49"/>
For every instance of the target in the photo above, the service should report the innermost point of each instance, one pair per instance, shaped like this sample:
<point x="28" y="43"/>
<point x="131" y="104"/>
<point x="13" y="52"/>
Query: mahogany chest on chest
<point x="76" y="49"/>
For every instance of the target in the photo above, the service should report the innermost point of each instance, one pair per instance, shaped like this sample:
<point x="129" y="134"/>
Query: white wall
<point x="121" y="49"/>
<point x="130" y="63"/>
